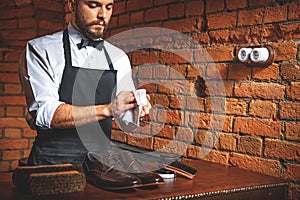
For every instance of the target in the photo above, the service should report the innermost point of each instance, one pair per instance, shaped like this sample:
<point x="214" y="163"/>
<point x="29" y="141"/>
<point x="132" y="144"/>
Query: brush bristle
<point x="182" y="169"/>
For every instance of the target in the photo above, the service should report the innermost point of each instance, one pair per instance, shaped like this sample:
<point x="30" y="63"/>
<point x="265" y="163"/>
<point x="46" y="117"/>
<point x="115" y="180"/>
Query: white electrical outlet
<point x="256" y="56"/>
<point x="259" y="55"/>
<point x="243" y="54"/>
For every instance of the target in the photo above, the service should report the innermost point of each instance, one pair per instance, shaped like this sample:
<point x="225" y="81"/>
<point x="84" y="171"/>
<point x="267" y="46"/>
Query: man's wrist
<point x="104" y="111"/>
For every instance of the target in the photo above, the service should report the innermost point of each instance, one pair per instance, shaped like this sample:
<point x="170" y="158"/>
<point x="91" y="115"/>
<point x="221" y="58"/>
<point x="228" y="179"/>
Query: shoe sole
<point x="152" y="184"/>
<point x="93" y="182"/>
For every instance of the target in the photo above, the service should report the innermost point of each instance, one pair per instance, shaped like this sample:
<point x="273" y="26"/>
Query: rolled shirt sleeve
<point x="40" y="85"/>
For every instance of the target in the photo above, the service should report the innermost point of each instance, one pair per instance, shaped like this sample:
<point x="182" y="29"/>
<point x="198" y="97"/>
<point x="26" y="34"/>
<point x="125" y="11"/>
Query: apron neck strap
<point x="111" y="67"/>
<point x="67" y="51"/>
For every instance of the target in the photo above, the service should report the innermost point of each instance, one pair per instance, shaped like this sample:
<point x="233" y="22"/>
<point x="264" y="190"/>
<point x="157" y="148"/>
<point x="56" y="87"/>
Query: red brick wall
<point x="259" y="108"/>
<point x="21" y="20"/>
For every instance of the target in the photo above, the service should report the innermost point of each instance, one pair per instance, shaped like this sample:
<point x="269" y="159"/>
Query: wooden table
<point x="213" y="181"/>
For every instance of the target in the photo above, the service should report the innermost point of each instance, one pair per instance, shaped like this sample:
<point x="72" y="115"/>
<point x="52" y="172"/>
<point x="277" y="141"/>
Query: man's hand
<point x="124" y="101"/>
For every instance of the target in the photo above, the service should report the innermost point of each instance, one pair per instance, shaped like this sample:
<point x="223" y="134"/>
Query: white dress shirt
<point x="43" y="63"/>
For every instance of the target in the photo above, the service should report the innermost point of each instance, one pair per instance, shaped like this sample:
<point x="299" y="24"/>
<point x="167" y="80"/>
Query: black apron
<point x="79" y="87"/>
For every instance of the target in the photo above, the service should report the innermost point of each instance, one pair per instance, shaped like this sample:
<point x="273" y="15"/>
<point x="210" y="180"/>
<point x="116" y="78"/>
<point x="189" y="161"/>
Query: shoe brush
<point x="182" y="169"/>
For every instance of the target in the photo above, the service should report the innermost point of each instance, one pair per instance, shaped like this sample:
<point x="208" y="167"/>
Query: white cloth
<point x="42" y="66"/>
<point x="133" y="116"/>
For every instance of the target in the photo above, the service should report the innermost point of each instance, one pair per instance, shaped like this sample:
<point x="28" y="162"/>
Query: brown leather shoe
<point x="132" y="165"/>
<point x="106" y="171"/>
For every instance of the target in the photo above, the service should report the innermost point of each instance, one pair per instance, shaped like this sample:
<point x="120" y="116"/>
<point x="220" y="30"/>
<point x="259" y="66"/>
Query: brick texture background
<point x="21" y="20"/>
<point x="206" y="105"/>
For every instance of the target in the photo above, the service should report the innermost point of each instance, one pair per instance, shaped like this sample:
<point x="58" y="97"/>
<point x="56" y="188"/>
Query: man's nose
<point x="102" y="13"/>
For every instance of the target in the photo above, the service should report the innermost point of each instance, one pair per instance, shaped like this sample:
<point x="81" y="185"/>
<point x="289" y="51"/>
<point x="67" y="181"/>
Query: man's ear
<point x="71" y="5"/>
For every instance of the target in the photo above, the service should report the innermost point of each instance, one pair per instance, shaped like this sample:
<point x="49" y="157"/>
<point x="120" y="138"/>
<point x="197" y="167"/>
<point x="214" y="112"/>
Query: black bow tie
<point x="94" y="43"/>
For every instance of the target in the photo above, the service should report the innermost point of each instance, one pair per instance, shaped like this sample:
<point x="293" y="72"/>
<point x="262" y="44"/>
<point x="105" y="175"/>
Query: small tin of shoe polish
<point x="165" y="174"/>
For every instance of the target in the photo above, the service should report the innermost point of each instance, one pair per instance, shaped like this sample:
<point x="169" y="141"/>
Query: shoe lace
<point x="112" y="160"/>
<point x="133" y="164"/>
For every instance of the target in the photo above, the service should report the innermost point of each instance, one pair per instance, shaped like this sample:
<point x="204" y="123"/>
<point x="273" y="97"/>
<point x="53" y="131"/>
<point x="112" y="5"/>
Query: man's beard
<point x="84" y="28"/>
